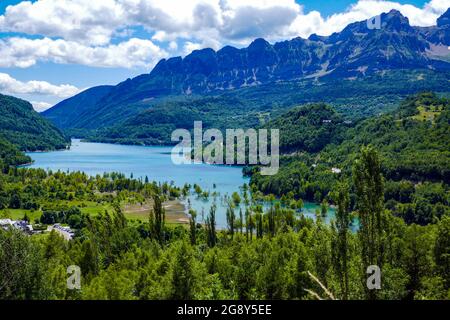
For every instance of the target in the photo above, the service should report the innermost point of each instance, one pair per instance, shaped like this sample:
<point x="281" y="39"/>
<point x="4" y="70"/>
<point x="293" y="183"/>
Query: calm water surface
<point x="155" y="163"/>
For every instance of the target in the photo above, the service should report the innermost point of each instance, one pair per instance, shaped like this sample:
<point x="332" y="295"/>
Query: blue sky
<point x="52" y="49"/>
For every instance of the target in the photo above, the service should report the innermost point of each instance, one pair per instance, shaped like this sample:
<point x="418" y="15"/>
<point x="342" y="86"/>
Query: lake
<point x="154" y="162"/>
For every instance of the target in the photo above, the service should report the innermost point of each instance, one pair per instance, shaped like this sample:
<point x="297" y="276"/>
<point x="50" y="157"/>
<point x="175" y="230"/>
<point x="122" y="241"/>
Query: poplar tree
<point x="157" y="220"/>
<point x="193" y="226"/>
<point x="231" y="219"/>
<point x="259" y="225"/>
<point x="211" y="227"/>
<point x="369" y="187"/>
<point x="183" y="277"/>
<point x="341" y="228"/>
<point x="241" y="218"/>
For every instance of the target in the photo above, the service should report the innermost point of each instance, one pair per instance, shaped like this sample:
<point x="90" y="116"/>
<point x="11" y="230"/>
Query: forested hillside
<point x="252" y="107"/>
<point x="413" y="141"/>
<point x="274" y="252"/>
<point x="309" y="128"/>
<point x="24" y="127"/>
<point x="67" y="112"/>
<point x="11" y="156"/>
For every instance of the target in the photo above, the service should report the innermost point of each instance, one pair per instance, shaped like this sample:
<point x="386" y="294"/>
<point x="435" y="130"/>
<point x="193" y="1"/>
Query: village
<point x="66" y="232"/>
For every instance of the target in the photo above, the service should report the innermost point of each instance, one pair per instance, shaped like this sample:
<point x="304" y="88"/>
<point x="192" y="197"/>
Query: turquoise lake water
<point x="154" y="162"/>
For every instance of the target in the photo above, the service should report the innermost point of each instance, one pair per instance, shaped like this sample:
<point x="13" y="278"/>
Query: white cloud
<point x="173" y="46"/>
<point x="23" y="53"/>
<point x="40" y="106"/>
<point x="365" y="9"/>
<point x="81" y="20"/>
<point x="80" y="31"/>
<point x="10" y="85"/>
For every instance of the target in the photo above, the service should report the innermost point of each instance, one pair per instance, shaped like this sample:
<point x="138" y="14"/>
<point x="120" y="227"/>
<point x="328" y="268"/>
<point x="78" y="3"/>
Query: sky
<point x="53" y="49"/>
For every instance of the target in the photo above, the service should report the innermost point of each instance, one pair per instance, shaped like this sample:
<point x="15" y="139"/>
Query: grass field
<point x="175" y="213"/>
<point x="427" y="114"/>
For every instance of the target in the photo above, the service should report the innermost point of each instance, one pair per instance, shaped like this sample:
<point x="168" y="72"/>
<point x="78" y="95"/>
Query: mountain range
<point x="357" y="64"/>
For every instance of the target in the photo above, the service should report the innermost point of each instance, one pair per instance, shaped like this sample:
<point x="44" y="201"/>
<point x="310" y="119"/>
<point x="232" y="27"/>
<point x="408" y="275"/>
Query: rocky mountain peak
<point x="444" y="20"/>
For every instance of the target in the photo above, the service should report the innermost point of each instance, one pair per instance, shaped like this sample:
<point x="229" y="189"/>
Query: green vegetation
<point x="415" y="153"/>
<point x="151" y="121"/>
<point x="10" y="155"/>
<point x="24" y="127"/>
<point x="309" y="128"/>
<point x="403" y="221"/>
<point x="122" y="259"/>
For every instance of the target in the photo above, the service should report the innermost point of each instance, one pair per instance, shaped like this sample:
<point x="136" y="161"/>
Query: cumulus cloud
<point x="81" y="31"/>
<point x="23" y="53"/>
<point x="365" y="9"/>
<point x="41" y="106"/>
<point x="82" y="20"/>
<point x="10" y="85"/>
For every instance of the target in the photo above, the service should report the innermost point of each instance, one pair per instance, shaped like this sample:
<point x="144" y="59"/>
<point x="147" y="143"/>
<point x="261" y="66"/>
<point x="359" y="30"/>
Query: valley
<point x="364" y="180"/>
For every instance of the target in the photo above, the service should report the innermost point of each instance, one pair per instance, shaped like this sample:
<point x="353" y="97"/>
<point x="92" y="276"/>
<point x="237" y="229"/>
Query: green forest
<point x="151" y="121"/>
<point x="24" y="127"/>
<point x="393" y="185"/>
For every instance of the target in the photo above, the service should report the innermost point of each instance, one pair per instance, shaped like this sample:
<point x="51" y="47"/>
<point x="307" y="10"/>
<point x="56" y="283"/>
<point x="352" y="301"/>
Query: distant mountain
<point x="444" y="20"/>
<point x="351" y="55"/>
<point x="28" y="130"/>
<point x="65" y="114"/>
<point x="439" y="36"/>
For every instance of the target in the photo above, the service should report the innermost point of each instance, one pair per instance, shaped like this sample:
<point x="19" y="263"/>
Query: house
<point x="6" y="223"/>
<point x="336" y="170"/>
<point x="21" y="225"/>
<point x="65" y="232"/>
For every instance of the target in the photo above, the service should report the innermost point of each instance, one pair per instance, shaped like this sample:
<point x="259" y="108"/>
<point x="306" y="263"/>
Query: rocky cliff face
<point x="355" y="51"/>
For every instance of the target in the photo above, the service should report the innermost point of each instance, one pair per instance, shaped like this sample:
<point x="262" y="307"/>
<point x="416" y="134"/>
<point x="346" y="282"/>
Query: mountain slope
<point x="309" y="128"/>
<point x="413" y="141"/>
<point x="67" y="112"/>
<point x="10" y="155"/>
<point x="253" y="107"/>
<point x="355" y="53"/>
<point x="24" y="127"/>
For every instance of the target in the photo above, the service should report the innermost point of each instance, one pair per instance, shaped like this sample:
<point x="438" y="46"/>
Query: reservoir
<point x="155" y="163"/>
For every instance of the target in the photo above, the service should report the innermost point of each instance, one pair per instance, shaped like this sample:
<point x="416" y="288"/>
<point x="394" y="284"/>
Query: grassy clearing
<point x="18" y="214"/>
<point x="428" y="113"/>
<point x="175" y="213"/>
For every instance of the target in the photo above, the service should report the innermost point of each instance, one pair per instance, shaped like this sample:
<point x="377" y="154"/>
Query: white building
<point x="6" y="223"/>
<point x="21" y="225"/>
<point x="336" y="170"/>
<point x="65" y="232"/>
